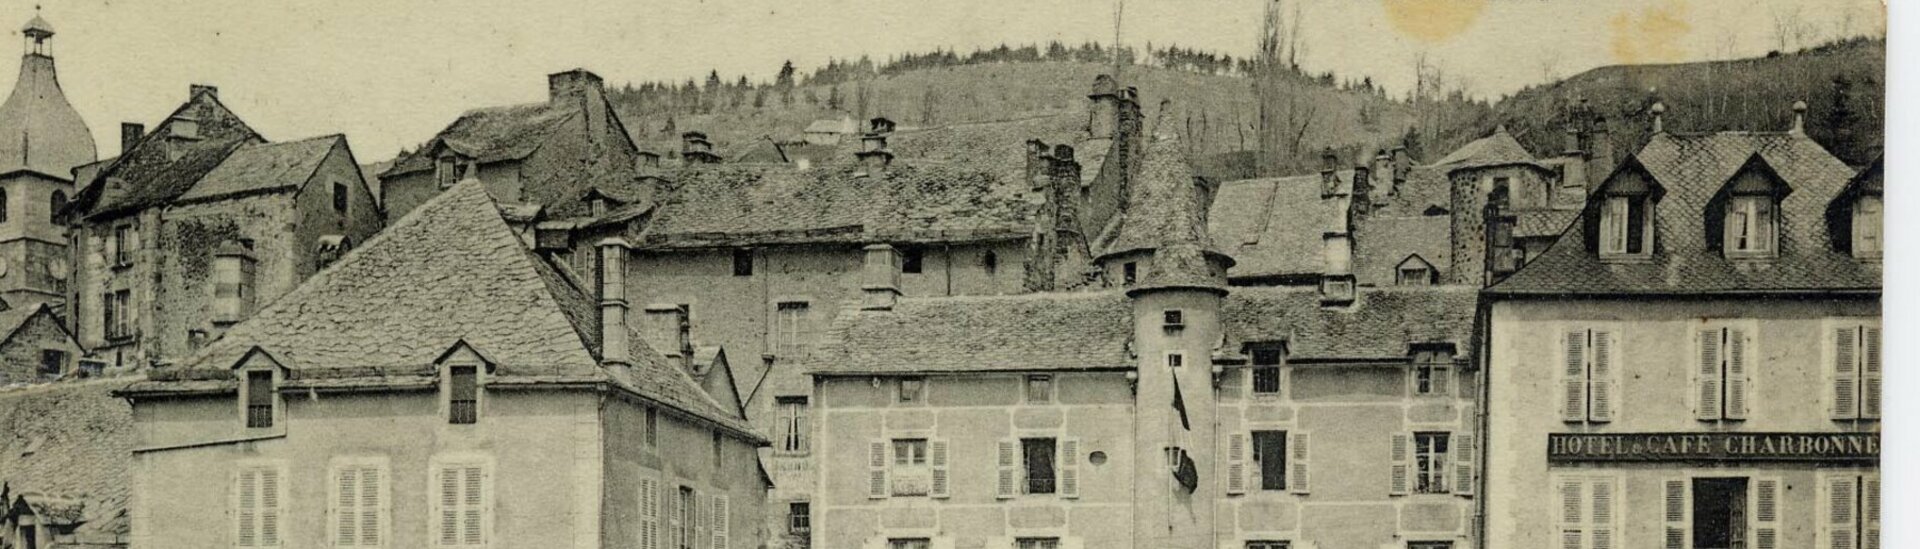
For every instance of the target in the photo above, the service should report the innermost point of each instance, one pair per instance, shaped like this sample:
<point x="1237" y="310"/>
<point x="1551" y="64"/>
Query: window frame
<point x="1257" y="454"/>
<point x="1432" y="462"/>
<point x="1436" y="365"/>
<point x="791" y="417"/>
<point x="742" y="262"/>
<point x="124" y="241"/>
<point x="913" y="260"/>
<point x="1617" y="222"/>
<point x="792" y="333"/>
<point x="1752" y="226"/>
<point x="909" y="543"/>
<point x="57" y="358"/>
<point x="1859" y="229"/>
<point x="799" y="518"/>
<point x="462" y="411"/>
<point x="1031" y="481"/>
<point x="1048" y="388"/>
<point x="1275" y="369"/>
<point x="260" y="519"/>
<point x="1036" y="542"/>
<point x="382" y="506"/>
<point x="916" y="396"/>
<point x="258" y="411"/>
<point x="1268" y="544"/>
<point x="340" y="198"/>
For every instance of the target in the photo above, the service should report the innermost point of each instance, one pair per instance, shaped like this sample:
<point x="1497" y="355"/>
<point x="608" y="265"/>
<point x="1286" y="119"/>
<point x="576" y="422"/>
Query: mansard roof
<point x="449" y="273"/>
<point x="1691" y="170"/>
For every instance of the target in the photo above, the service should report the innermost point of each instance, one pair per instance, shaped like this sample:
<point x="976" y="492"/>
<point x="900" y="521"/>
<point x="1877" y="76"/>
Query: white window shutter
<point x="721" y="525"/>
<point x="1070" y="468"/>
<point x="877" y="469"/>
<point x="1679" y="511"/>
<point x="1870" y="511"/>
<point x="1573" y="403"/>
<point x="1838" y="519"/>
<point x="649" y="502"/>
<point x="373" y="507"/>
<point x="937" y="457"/>
<point x="1236" y="464"/>
<point x="346" y="505"/>
<point x="1870" y="372"/>
<point x="1706" y="377"/>
<point x="448" y="506"/>
<point x="247" y="509"/>
<point x="1600" y="521"/>
<point x="1398" y="474"/>
<point x="1765" y="527"/>
<point x="270" y="498"/>
<point x="1009" y="456"/>
<point x="1739" y="347"/>
<point x="1846" y="388"/>
<point x="1573" y="532"/>
<point x="1601" y="387"/>
<point x="1300" y="450"/>
<point x="1461" y="448"/>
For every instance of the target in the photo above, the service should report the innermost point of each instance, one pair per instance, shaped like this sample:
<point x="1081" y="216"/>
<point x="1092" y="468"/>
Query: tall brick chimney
<point x="613" y="302"/>
<point x="1103" y="108"/>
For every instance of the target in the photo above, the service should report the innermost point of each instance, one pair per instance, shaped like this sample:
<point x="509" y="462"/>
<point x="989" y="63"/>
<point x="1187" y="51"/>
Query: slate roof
<point x="1274" y="226"/>
<point x="728" y="205"/>
<point x="1535" y="223"/>
<point x="1380" y="324"/>
<point x="492" y="134"/>
<point x="1498" y="149"/>
<point x="1049" y="331"/>
<point x="451" y="271"/>
<point x="263" y="167"/>
<point x="1692" y="168"/>
<point x="1381" y="243"/>
<point x="843" y="126"/>
<point x="160" y="168"/>
<point x="1162" y="207"/>
<point x="39" y="130"/>
<point x="69" y="441"/>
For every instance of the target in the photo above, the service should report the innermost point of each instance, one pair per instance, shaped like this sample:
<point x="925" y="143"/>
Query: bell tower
<point x="42" y="139"/>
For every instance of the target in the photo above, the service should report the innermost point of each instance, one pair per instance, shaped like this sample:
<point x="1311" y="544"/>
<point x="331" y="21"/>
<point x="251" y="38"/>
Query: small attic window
<point x="1752" y="226"/>
<point x="260" y="399"/>
<point x="742" y="262"/>
<point x="912" y="260"/>
<point x="1868" y="226"/>
<point x="1626" y="226"/>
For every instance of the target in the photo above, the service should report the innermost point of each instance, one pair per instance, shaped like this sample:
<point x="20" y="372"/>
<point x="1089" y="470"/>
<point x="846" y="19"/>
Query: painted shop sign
<point x="1579" y="447"/>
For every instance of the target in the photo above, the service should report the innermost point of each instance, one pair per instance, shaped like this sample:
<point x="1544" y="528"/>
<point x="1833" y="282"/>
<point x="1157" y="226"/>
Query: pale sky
<point x="391" y="73"/>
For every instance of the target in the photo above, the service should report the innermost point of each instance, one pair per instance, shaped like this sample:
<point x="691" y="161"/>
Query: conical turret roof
<point x="39" y="130"/>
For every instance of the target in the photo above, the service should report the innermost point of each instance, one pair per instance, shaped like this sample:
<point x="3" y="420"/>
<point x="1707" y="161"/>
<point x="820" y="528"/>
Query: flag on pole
<point x="1184" y="470"/>
<point x="1180" y="404"/>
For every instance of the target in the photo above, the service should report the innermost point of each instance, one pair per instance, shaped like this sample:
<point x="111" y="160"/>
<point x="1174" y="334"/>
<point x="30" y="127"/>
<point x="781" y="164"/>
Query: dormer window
<point x="259" y="398"/>
<point x="1868" y="236"/>
<point x="1752" y="228"/>
<point x="1626" y="226"/>
<point x="463" y="395"/>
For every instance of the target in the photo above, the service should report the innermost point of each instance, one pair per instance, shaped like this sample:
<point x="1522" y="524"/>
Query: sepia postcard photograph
<point x="990" y="274"/>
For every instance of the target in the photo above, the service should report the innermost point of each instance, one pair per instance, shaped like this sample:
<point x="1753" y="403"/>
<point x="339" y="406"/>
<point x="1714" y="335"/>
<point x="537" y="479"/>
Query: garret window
<point x="1747" y="212"/>
<point x="1625" y="229"/>
<point x="463" y="372"/>
<point x="259" y="377"/>
<point x="1855" y="218"/>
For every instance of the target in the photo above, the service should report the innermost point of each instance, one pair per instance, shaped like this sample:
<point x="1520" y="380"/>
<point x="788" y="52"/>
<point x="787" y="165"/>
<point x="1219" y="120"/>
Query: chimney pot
<point x="1799" y="117"/>
<point x="130" y="134"/>
<point x="561" y="85"/>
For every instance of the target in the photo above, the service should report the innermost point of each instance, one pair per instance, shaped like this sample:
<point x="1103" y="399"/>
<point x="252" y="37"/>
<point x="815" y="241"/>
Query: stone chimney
<point x="1602" y="145"/>
<point x="874" y="153"/>
<point x="696" y="149"/>
<point x="646" y="159"/>
<point x="1103" y="108"/>
<point x="880" y="284"/>
<point x="1329" y="173"/>
<point x="1362" y="202"/>
<point x="130" y="134"/>
<point x="589" y="92"/>
<point x="1402" y="165"/>
<point x="194" y="90"/>
<point x="1336" y="284"/>
<point x="613" y="302"/>
<point x="1038" y="164"/>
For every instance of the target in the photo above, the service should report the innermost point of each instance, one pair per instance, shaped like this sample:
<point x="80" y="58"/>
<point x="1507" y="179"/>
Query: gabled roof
<point x="1379" y="325"/>
<point x="12" y="319"/>
<point x="161" y="167"/>
<point x="264" y="167"/>
<point x="449" y="273"/>
<point x="1381" y="243"/>
<point x="1275" y="226"/>
<point x="71" y="442"/>
<point x="1691" y="169"/>
<point x="492" y="134"/>
<point x="39" y="130"/>
<point x="1031" y="332"/>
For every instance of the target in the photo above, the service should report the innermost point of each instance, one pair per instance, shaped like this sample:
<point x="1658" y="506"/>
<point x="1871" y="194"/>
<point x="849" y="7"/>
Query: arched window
<point x="3" y="205"/>
<point x="57" y="206"/>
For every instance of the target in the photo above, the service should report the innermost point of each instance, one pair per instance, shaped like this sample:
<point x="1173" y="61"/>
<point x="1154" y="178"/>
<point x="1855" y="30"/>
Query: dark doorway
<point x="1720" y="513"/>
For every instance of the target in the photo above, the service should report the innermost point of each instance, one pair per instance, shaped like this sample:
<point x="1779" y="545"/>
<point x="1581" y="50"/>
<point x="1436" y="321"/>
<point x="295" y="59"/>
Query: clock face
<point x="57" y="269"/>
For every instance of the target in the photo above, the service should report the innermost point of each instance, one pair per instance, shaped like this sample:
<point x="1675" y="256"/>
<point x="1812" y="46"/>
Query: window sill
<point x="1626" y="259"/>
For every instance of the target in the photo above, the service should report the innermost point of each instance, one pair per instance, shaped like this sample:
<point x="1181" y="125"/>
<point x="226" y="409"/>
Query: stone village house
<point x="441" y="386"/>
<point x="200" y="222"/>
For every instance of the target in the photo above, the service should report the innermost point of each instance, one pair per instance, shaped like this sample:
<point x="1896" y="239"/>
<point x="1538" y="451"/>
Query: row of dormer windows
<point x="1749" y="226"/>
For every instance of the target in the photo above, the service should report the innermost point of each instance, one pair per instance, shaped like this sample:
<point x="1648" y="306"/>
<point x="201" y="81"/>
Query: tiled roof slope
<point x="1692" y="169"/>
<point x="450" y="271"/>
<point x="492" y="134"/>
<point x="1274" y="226"/>
<point x="1380" y="324"/>
<point x="1381" y="243"/>
<point x="260" y="167"/>
<point x="1162" y="206"/>
<point x="1498" y="149"/>
<point x="162" y="165"/>
<point x="733" y="205"/>
<point x="73" y="441"/>
<point x="1050" y="331"/>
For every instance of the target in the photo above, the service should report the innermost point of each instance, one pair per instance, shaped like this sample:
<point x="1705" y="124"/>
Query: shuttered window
<point x="461" y="505"/>
<point x="683" y="518"/>
<point x="1849" y="511"/>
<point x="1589" y="378"/>
<point x="1588" y="512"/>
<point x="649" y="513"/>
<point x="360" y="508"/>
<point x="720" y="527"/>
<point x="259" y="502"/>
<point x="1722" y="377"/>
<point x="1270" y="459"/>
<point x="1855" y="370"/>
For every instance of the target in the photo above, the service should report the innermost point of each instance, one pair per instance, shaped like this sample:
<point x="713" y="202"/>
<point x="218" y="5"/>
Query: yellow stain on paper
<point x="1650" y="36"/>
<point x="1433" y="21"/>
